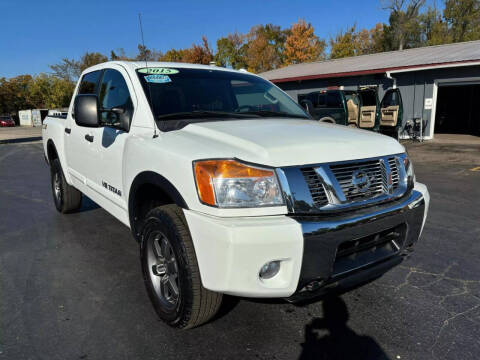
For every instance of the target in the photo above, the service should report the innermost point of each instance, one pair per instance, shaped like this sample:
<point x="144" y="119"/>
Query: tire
<point x="328" y="120"/>
<point x="169" y="262"/>
<point x="65" y="197"/>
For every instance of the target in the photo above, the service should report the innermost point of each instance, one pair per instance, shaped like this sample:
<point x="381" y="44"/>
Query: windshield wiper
<point x="198" y="114"/>
<point x="271" y="113"/>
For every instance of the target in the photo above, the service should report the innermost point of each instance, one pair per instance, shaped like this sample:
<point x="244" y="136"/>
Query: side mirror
<point x="308" y="106"/>
<point x="86" y="110"/>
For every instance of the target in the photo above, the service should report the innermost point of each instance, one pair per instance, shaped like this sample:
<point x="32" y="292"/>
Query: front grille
<point x="354" y="254"/>
<point x="315" y="185"/>
<point x="373" y="169"/>
<point x="394" y="169"/>
<point x="382" y="174"/>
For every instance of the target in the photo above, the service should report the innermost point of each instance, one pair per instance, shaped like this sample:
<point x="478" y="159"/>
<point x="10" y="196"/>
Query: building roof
<point x="424" y="57"/>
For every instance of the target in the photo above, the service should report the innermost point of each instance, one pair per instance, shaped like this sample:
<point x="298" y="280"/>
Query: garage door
<point x="458" y="109"/>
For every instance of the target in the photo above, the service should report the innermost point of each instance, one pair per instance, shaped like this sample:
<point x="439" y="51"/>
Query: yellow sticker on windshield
<point x="158" y="71"/>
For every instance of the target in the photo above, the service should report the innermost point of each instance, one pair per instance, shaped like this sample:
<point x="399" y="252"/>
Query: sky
<point x="37" y="33"/>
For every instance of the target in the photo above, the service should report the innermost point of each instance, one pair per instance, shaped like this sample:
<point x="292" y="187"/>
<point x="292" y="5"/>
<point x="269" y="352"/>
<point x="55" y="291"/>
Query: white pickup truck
<point x="230" y="187"/>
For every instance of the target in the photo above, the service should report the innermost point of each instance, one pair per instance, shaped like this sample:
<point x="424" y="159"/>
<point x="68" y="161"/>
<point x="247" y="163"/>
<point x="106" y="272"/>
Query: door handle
<point x="89" y="138"/>
<point x="68" y="130"/>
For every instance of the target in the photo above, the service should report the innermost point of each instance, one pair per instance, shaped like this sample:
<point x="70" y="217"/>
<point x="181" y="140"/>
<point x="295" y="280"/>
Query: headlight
<point x="231" y="184"/>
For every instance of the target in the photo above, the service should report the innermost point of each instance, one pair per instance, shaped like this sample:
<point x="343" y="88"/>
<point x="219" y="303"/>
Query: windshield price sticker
<point x="158" y="79"/>
<point x="162" y="71"/>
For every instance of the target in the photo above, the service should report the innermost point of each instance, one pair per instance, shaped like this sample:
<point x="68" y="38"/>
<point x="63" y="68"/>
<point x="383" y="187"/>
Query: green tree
<point x="302" y="45"/>
<point x="231" y="51"/>
<point x="463" y="19"/>
<point x="344" y="44"/>
<point x="434" y="29"/>
<point x="14" y="94"/>
<point x="403" y="30"/>
<point x="68" y="69"/>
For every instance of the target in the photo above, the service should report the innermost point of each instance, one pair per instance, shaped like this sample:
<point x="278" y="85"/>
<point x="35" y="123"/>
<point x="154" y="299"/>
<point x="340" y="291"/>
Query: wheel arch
<point x="148" y="190"/>
<point x="52" y="152"/>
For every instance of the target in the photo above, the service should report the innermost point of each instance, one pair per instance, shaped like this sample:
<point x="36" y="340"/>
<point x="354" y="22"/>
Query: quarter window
<point x="89" y="82"/>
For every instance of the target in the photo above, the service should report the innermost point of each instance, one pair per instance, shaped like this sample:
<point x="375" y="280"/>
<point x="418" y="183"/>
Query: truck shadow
<point x="87" y="204"/>
<point x="328" y="337"/>
<point x="340" y="341"/>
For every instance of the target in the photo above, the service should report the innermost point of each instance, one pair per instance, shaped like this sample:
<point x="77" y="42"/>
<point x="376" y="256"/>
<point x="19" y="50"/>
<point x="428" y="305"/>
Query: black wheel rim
<point x="163" y="269"/>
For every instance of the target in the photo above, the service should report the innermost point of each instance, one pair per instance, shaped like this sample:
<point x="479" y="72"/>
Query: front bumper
<point x="231" y="251"/>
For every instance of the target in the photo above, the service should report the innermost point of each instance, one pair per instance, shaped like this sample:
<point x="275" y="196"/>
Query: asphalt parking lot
<point x="71" y="287"/>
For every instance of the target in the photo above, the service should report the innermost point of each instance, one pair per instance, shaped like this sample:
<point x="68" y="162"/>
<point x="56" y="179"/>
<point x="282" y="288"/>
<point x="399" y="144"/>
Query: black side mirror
<point x="308" y="106"/>
<point x="86" y="110"/>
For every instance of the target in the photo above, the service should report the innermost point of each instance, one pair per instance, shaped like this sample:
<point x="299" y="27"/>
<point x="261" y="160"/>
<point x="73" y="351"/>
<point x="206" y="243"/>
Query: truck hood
<point x="286" y="142"/>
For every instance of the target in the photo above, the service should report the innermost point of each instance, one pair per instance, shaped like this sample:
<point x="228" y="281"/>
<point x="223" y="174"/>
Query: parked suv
<point x="229" y="187"/>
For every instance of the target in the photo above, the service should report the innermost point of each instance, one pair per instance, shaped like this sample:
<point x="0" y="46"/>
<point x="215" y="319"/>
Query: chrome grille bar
<point x="351" y="183"/>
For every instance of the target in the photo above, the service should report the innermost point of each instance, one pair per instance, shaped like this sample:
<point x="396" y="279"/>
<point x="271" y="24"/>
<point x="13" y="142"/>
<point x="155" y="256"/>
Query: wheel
<point x="66" y="198"/>
<point x="170" y="270"/>
<point x="328" y="119"/>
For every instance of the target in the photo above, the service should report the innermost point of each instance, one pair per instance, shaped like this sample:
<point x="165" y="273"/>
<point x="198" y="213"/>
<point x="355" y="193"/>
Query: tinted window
<point x="334" y="100"/>
<point x="369" y="98"/>
<point x="390" y="99"/>
<point x="321" y="101"/>
<point x="114" y="93"/>
<point x="89" y="83"/>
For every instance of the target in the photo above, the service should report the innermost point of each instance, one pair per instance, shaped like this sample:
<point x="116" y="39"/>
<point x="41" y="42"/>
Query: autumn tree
<point x="369" y="41"/>
<point x="172" y="55"/>
<point x="343" y="44"/>
<point x="198" y="54"/>
<point x="264" y="49"/>
<point x="302" y="45"/>
<point x="48" y="91"/>
<point x="90" y="59"/>
<point x="231" y="51"/>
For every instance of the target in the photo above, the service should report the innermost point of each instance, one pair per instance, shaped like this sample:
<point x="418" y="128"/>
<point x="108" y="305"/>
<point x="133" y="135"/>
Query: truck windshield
<point x="192" y="95"/>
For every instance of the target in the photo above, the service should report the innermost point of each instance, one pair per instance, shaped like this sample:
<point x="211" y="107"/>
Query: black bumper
<point x="344" y="251"/>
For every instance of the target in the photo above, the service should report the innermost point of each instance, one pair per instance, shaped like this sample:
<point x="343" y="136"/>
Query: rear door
<point x="368" y="108"/>
<point x="391" y="109"/>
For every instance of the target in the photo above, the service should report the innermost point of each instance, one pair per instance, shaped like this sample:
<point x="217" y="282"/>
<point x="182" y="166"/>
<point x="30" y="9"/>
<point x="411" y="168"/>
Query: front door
<point x="391" y="109"/>
<point x="116" y="102"/>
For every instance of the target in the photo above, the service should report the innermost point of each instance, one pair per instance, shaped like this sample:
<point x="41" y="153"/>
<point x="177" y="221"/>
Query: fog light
<point x="269" y="270"/>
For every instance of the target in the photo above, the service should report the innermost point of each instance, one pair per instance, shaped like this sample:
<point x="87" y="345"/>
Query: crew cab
<point x="359" y="108"/>
<point x="230" y="187"/>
